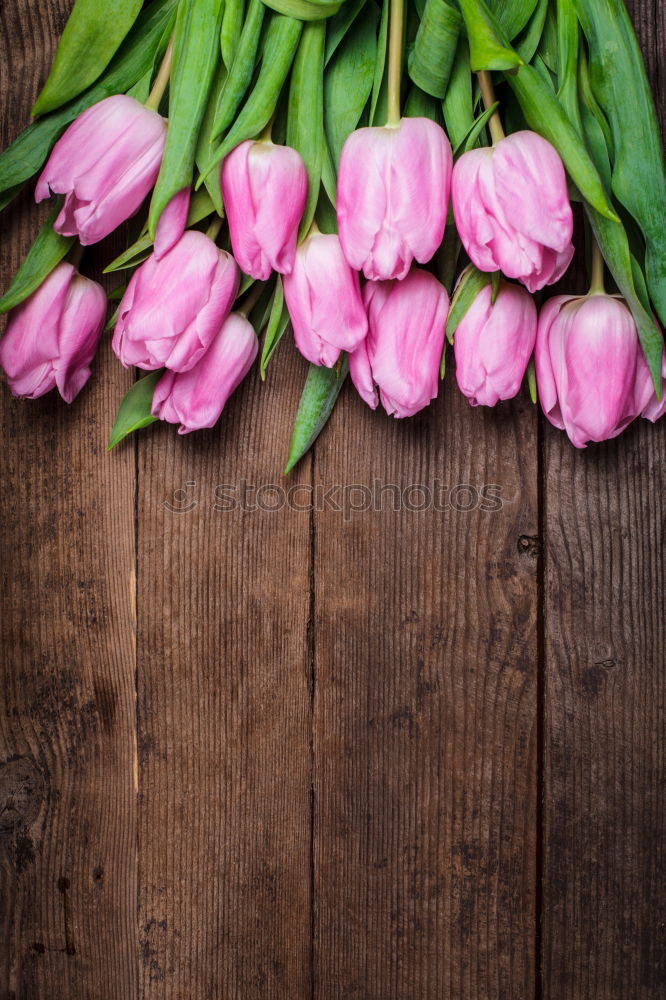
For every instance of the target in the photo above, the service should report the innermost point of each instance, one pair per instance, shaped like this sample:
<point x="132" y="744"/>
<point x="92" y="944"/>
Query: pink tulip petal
<point x="240" y="210"/>
<point x="361" y="375"/>
<point x="105" y="164"/>
<point x="195" y="399"/>
<point x="31" y="340"/>
<point x="279" y="185"/>
<point x="547" y="378"/>
<point x="493" y="345"/>
<point x="81" y="326"/>
<point x="531" y="186"/>
<point x="324" y="301"/>
<point x="171" y="225"/>
<point x="408" y="338"/>
<point x="363" y="182"/>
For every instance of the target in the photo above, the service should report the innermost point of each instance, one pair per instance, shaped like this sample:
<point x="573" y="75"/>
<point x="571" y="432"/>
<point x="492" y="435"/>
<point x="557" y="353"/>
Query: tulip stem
<point x="488" y="95"/>
<point x="75" y="254"/>
<point x="161" y="80"/>
<point x="267" y="132"/>
<point x="597" y="286"/>
<point x="396" y="31"/>
<point x="250" y="300"/>
<point x="214" y="228"/>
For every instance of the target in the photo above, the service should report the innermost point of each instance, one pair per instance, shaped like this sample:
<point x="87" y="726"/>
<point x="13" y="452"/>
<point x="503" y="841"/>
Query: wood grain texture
<point x="426" y="707"/>
<point x="291" y="754"/>
<point x="224" y="708"/>
<point x="67" y="789"/>
<point x="604" y="870"/>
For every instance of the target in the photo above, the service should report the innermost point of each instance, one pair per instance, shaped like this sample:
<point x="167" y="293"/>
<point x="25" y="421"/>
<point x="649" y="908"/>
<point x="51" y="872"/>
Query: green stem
<point x="250" y="300"/>
<point x="597" y="286"/>
<point x="75" y="254"/>
<point x="267" y="133"/>
<point x="488" y="95"/>
<point x="214" y="228"/>
<point x="161" y="80"/>
<point x="396" y="31"/>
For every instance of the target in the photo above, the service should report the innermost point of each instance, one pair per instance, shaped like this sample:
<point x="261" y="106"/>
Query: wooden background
<point x="409" y="755"/>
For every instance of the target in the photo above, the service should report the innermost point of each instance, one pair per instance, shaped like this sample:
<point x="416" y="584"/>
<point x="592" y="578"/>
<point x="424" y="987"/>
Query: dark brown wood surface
<point x="384" y="754"/>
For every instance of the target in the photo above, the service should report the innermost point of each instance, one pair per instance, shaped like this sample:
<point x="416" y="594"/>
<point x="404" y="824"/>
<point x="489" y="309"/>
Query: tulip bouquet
<point x="371" y="176"/>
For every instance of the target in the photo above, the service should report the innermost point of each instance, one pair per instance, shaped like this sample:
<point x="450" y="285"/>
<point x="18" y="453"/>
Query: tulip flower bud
<point x="105" y="164"/>
<point x="393" y="196"/>
<point x="403" y="349"/>
<point x="324" y="301"/>
<point x="264" y="187"/>
<point x="493" y="344"/>
<point x="512" y="209"/>
<point x="51" y="338"/>
<point x="586" y="357"/>
<point x="195" y="399"/>
<point x="172" y="222"/>
<point x="174" y="306"/>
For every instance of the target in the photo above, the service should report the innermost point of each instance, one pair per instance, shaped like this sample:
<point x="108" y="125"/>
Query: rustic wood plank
<point x="605" y="834"/>
<point x="67" y="790"/>
<point x="604" y="909"/>
<point x="224" y="709"/>
<point x="425" y="708"/>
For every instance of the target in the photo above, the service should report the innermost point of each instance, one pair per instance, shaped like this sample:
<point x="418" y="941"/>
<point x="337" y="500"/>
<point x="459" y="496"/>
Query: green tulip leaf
<point x="380" y="63"/>
<point x="621" y="87"/>
<point x="327" y="219"/>
<point x="348" y="81"/>
<point x="134" y="411"/>
<point x="240" y="73"/>
<point x="303" y="10"/>
<point x="281" y="43"/>
<point x="278" y="321"/>
<point x="567" y="75"/>
<point x="204" y="141"/>
<point x="339" y="25"/>
<point x="195" y="57"/>
<point x="512" y="15"/>
<point x="232" y="27"/>
<point x="432" y="57"/>
<point x="305" y="113"/>
<point x="527" y="42"/>
<point x="320" y="393"/>
<point x="489" y="48"/>
<point x="91" y="38"/>
<point x="458" y="104"/>
<point x="48" y="250"/>
<point x="471" y="283"/>
<point x="470" y="140"/>
<point x="329" y="180"/>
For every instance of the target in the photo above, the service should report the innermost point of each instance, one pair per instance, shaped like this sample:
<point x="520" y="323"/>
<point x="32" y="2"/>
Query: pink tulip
<point x="586" y="357"/>
<point x="324" y="301"/>
<point x="105" y="164"/>
<point x="512" y="210"/>
<point x="493" y="344"/>
<point x="173" y="307"/>
<point x="51" y="338"/>
<point x="646" y="403"/>
<point x="393" y="196"/>
<point x="172" y="222"/>
<point x="264" y="187"/>
<point x="403" y="349"/>
<point x="195" y="399"/>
